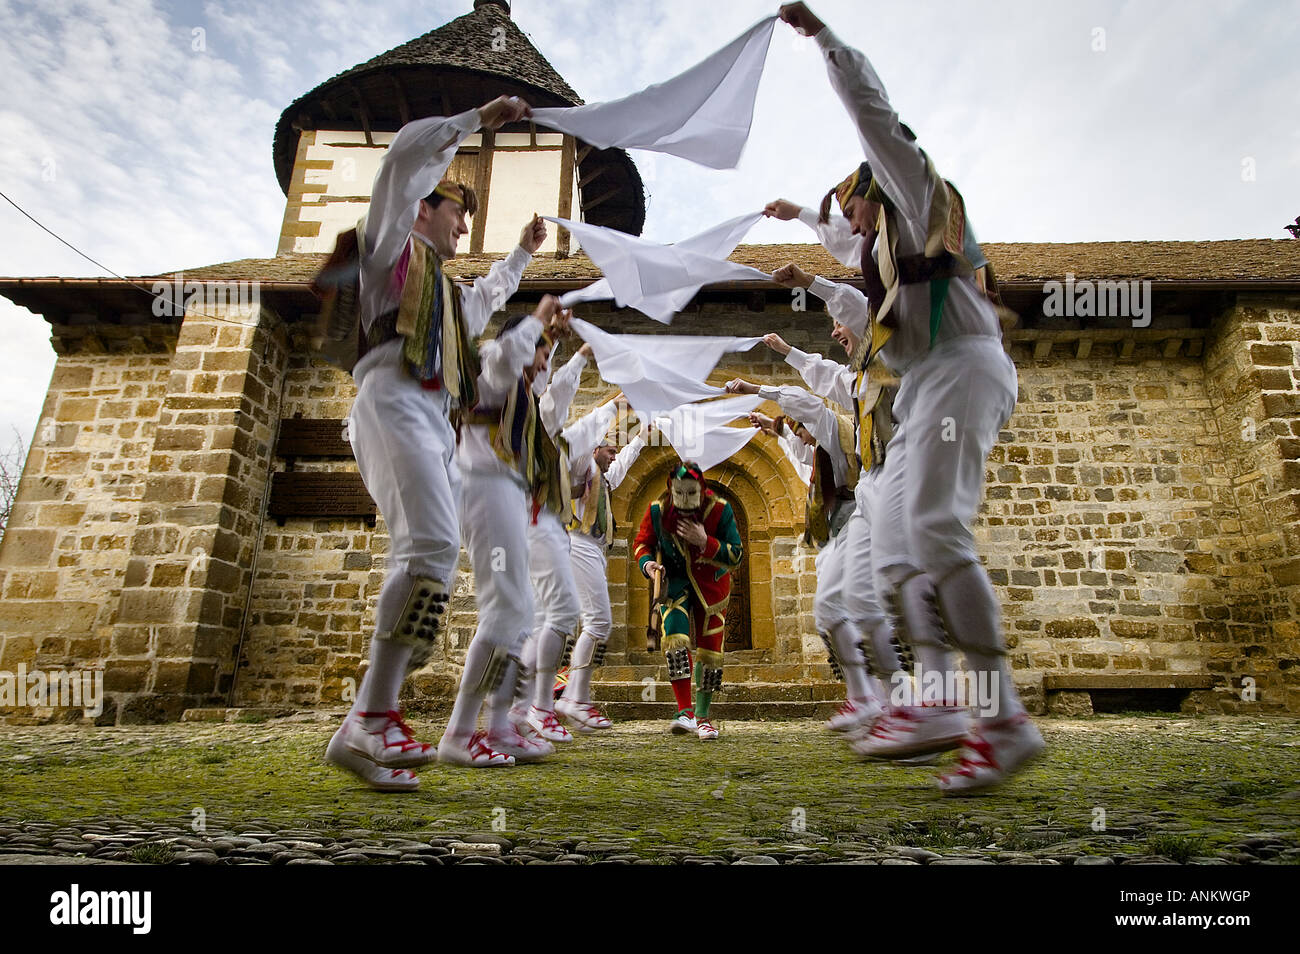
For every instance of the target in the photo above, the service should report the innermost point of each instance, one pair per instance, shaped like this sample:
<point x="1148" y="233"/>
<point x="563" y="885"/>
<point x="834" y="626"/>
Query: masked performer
<point x="690" y="535"/>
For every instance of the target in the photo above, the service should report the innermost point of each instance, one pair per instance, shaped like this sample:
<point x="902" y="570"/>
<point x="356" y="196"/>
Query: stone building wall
<point x="1103" y="519"/>
<point x="1117" y="525"/>
<point x="65" y="552"/>
<point x="1141" y="519"/>
<point x="1253" y="376"/>
<point x="312" y="610"/>
<point x="180" y="621"/>
<point x="139" y="512"/>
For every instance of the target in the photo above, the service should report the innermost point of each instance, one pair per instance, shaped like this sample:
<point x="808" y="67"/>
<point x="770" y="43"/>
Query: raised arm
<point x="844" y="303"/>
<point x="825" y="377"/>
<point x="622" y="463"/>
<point x="559" y="394"/>
<point x="489" y="294"/>
<point x="836" y="236"/>
<point x="585" y="433"/>
<point x="797" y="452"/>
<point x="808" y="409"/>
<point x="502" y="360"/>
<point x="822" y="422"/>
<point x="896" y="160"/>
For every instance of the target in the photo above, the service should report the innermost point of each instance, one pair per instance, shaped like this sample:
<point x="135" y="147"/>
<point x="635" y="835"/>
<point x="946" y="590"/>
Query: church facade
<point x="191" y="523"/>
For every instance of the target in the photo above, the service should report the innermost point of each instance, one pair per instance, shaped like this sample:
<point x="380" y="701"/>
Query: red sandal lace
<point x="407" y="742"/>
<point x="976" y="753"/>
<point x="479" y="749"/>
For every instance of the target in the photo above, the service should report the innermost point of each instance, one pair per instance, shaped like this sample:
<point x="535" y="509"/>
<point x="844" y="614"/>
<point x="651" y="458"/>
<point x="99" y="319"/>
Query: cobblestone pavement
<point x="1111" y="790"/>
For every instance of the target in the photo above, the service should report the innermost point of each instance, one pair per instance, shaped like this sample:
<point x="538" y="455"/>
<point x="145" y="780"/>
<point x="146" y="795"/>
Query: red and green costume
<point x="698" y="589"/>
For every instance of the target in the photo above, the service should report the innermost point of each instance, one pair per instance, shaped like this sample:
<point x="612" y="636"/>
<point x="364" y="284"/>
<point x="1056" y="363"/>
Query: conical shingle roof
<point x="460" y="65"/>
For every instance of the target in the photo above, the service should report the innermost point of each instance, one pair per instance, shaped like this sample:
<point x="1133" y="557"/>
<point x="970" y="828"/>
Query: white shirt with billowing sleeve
<point x="553" y="406"/>
<point x="899" y="166"/>
<point x="799" y="454"/>
<point x="624" y="460"/>
<point x="836" y="236"/>
<point x="833" y="381"/>
<point x="826" y="378"/>
<point x="583" y="437"/>
<point x="414" y="164"/>
<point x="844" y="303"/>
<point x="502" y="361"/>
<point x="810" y="411"/>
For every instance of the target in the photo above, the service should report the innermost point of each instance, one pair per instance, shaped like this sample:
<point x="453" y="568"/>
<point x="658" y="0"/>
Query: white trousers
<point x="846" y="589"/>
<point x="405" y="450"/>
<point x="494" y="520"/>
<point x="554" y="590"/>
<point x="590" y="571"/>
<point x="950" y="408"/>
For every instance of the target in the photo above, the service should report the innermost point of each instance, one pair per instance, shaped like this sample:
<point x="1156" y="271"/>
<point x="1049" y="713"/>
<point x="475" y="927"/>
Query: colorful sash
<point x="429" y="318"/>
<point x="943" y="259"/>
<point x="873" y="416"/>
<point x="823" y="493"/>
<point x="518" y="437"/>
<point x="597" y="505"/>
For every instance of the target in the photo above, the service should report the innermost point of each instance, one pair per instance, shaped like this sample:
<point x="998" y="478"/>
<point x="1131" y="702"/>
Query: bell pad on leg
<point x="898" y="630"/>
<point x="834" y="661"/>
<point x="421" y="619"/>
<point x="495" y="670"/>
<point x="677" y="650"/>
<point x="710" y="670"/>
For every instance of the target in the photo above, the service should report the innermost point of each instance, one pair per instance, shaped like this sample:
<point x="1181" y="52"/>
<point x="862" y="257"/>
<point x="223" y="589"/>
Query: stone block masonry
<point x="157" y="466"/>
<point x="1142" y="518"/>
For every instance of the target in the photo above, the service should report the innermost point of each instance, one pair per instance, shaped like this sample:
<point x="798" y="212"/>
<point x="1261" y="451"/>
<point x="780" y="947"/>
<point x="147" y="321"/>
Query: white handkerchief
<point x="651" y="388"/>
<point x="703" y="114"/>
<point x="659" y="280"/>
<point x="699" y="432"/>
<point x="691" y="356"/>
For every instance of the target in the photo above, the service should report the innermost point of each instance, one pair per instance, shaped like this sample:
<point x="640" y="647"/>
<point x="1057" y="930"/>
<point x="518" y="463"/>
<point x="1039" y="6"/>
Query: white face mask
<point x="686" y="494"/>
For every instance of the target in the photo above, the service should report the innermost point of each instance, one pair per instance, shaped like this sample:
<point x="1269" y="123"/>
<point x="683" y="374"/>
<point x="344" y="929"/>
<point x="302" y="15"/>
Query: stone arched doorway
<point x="654" y="482"/>
<point x="759" y="485"/>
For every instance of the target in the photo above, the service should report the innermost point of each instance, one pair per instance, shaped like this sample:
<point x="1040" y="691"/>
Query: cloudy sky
<point x="141" y="131"/>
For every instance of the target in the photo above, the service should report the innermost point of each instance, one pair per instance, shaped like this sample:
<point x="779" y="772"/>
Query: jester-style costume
<point x="697" y="590"/>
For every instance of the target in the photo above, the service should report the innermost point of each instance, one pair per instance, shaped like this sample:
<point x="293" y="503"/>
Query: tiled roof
<point x="476" y="41"/>
<point x="1271" y="260"/>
